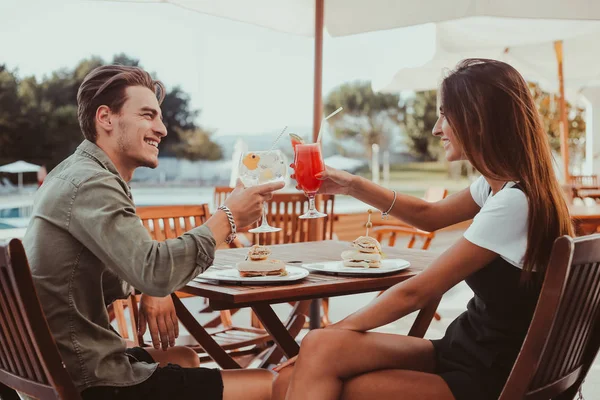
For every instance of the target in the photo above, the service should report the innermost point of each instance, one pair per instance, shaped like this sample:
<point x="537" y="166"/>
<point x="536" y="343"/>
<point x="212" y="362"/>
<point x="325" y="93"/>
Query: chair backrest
<point x="391" y="233"/>
<point x="220" y="194"/>
<point x="283" y="212"/>
<point x="584" y="180"/>
<point x="564" y="335"/>
<point x="435" y="193"/>
<point x="169" y="222"/>
<point x="29" y="359"/>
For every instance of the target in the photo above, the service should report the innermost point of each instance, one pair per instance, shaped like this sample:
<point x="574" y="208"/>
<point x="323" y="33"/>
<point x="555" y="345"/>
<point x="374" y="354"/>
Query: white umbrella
<point x="518" y="44"/>
<point x="348" y="17"/>
<point x="20" y="167"/>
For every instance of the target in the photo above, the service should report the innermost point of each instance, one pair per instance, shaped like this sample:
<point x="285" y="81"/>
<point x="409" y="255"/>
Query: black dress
<point x="478" y="351"/>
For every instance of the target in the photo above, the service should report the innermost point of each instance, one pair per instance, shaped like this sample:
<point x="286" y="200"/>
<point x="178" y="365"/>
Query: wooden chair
<point x="284" y="210"/>
<point x="169" y="222"/>
<point x="564" y="336"/>
<point x="29" y="359"/>
<point x="590" y="181"/>
<point x="220" y="194"/>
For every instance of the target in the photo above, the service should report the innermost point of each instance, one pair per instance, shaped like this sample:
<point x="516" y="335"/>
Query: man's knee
<point x="184" y="356"/>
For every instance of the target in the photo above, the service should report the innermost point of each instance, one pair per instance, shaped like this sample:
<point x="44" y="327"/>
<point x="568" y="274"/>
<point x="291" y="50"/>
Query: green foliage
<point x="368" y="117"/>
<point x="38" y="118"/>
<point x="195" y="144"/>
<point x="420" y="115"/>
<point x="549" y="108"/>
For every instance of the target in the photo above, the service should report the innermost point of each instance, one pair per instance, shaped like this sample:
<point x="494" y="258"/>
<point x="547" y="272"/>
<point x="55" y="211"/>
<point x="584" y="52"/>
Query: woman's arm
<point x="412" y="210"/>
<point x="453" y="266"/>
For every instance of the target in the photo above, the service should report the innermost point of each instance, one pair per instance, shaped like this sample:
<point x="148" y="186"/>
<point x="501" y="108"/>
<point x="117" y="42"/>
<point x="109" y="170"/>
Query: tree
<point x="368" y="117"/>
<point x="549" y="109"/>
<point x="420" y="115"/>
<point x="195" y="144"/>
<point x="38" y="118"/>
<point x="178" y="116"/>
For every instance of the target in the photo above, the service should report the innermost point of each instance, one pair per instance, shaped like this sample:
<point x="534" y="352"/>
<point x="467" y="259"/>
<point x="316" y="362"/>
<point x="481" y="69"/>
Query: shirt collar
<point x="92" y="151"/>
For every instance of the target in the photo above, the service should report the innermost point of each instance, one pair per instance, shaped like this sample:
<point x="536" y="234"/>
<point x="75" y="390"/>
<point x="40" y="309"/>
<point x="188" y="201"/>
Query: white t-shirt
<point x="501" y="225"/>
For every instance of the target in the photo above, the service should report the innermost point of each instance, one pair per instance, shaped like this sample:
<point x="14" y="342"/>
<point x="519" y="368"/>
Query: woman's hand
<point x="334" y="181"/>
<point x="159" y="314"/>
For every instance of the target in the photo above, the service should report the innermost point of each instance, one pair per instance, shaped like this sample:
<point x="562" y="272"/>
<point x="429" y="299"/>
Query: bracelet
<point x="384" y="215"/>
<point x="233" y="233"/>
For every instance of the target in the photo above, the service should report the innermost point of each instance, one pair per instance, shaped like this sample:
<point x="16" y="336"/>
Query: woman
<point x="488" y="117"/>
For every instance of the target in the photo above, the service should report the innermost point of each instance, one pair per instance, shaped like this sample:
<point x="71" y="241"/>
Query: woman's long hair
<point x="494" y="118"/>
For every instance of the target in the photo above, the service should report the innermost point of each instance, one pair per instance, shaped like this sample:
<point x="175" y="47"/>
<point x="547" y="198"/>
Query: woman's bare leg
<point x="396" y="384"/>
<point x="250" y="384"/>
<point x="328" y="357"/>
<point x="281" y="383"/>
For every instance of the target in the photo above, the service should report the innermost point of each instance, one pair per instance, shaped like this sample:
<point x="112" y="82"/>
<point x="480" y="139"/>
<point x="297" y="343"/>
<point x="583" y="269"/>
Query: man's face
<point x="139" y="128"/>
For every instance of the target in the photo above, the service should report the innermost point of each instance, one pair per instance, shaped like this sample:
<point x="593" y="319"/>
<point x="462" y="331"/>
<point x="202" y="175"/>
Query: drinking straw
<point x="325" y="119"/>
<point x="278" y="137"/>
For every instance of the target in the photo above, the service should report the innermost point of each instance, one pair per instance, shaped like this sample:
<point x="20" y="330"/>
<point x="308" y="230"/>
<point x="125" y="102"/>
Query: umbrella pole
<point x="564" y="131"/>
<point x="318" y="89"/>
<point x="20" y="181"/>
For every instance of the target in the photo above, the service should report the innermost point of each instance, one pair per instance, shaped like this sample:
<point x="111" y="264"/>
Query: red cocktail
<point x="308" y="162"/>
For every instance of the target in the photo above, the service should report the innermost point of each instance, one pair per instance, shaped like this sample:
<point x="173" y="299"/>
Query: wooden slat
<point x="277" y="330"/>
<point x="564" y="336"/>
<point x="187" y="224"/>
<point x="11" y="332"/>
<point x="31" y="362"/>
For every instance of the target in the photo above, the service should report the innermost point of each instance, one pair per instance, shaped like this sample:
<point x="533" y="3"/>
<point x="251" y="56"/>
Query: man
<point x="86" y="246"/>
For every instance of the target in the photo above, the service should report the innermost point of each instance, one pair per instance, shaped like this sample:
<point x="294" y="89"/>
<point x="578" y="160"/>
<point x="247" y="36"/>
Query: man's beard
<point x="126" y="148"/>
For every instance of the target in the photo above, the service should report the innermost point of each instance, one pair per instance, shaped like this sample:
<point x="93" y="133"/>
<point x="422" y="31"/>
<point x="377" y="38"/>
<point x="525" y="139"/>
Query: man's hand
<point x="159" y="314"/>
<point x="246" y="204"/>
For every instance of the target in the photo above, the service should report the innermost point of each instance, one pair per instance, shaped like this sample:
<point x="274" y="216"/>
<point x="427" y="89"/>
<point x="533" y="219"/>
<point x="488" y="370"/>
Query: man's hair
<point x="106" y="85"/>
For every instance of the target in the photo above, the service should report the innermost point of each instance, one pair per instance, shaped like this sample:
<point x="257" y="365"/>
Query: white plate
<point x="233" y="276"/>
<point x="388" y="266"/>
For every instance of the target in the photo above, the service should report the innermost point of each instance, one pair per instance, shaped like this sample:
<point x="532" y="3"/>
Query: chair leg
<point x="325" y="318"/>
<point x="255" y="322"/>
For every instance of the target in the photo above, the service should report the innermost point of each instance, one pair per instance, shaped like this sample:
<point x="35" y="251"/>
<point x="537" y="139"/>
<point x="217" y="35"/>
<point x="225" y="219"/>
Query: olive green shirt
<point x="86" y="245"/>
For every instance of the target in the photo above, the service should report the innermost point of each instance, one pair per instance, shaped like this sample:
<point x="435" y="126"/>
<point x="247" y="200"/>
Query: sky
<point x="244" y="78"/>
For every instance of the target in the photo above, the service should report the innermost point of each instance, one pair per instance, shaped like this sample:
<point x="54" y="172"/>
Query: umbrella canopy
<point x="19" y="167"/>
<point x="536" y="61"/>
<point x="348" y="17"/>
<point x="525" y="22"/>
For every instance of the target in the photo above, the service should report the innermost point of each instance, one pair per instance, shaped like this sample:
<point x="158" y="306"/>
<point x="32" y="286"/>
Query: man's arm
<point x="103" y="219"/>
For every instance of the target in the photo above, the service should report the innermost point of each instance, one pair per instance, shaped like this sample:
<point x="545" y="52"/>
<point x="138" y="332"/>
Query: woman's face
<point x="443" y="130"/>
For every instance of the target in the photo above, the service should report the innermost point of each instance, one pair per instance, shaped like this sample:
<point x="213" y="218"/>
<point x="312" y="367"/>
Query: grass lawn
<point x="415" y="178"/>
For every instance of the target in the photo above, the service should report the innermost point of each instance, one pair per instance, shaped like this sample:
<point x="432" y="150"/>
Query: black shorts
<point x="166" y="383"/>
<point x="466" y="378"/>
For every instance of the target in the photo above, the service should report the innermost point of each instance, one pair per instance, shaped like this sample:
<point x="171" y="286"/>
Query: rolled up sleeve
<point x="103" y="219"/>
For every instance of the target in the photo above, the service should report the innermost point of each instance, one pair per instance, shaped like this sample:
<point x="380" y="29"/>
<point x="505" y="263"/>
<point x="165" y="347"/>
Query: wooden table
<point x="315" y="286"/>
<point x="585" y="218"/>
